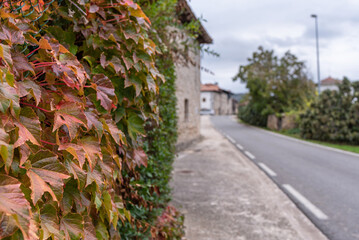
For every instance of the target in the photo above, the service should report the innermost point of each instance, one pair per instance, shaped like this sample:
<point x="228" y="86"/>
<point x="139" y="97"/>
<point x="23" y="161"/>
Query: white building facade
<point x="217" y="101"/>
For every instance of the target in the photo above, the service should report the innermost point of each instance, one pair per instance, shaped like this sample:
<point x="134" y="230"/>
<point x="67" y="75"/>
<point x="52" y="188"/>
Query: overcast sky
<point x="238" y="27"/>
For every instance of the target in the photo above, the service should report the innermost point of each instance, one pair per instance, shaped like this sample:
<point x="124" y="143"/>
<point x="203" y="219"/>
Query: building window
<point x="186" y="110"/>
<point x="203" y="100"/>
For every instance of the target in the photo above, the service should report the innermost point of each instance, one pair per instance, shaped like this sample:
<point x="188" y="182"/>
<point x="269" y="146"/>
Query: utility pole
<point x="317" y="40"/>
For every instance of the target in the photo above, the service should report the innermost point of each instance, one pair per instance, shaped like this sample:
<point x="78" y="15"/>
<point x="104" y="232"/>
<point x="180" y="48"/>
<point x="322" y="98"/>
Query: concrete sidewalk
<point x="224" y="196"/>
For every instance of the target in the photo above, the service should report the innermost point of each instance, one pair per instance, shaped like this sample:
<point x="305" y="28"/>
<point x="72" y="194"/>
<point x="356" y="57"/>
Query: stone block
<point x="272" y="122"/>
<point x="288" y="122"/>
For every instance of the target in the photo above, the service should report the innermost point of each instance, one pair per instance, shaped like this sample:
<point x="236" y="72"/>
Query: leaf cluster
<point x="77" y="82"/>
<point x="334" y="116"/>
<point x="152" y="183"/>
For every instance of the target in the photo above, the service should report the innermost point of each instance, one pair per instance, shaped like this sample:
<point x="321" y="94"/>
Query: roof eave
<point x="187" y="15"/>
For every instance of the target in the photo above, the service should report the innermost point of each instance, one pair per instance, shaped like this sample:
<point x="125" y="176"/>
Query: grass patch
<point x="296" y="134"/>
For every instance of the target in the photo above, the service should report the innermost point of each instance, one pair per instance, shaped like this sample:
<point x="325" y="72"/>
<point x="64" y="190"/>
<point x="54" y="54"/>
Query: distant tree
<point x="276" y="85"/>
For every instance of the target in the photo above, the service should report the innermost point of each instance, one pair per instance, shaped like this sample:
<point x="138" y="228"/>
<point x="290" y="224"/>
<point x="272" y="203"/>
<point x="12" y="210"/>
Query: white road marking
<point x="231" y="139"/>
<point x="310" y="206"/>
<point x="250" y="155"/>
<point x="267" y="169"/>
<point x="239" y="146"/>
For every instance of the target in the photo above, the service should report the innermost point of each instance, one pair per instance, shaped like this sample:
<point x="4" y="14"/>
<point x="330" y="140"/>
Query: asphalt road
<point x="323" y="183"/>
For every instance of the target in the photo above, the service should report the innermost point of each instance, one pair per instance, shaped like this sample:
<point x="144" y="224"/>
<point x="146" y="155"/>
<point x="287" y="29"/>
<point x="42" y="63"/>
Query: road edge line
<point x="239" y="146"/>
<point x="266" y="169"/>
<point x="250" y="155"/>
<point x="319" y="214"/>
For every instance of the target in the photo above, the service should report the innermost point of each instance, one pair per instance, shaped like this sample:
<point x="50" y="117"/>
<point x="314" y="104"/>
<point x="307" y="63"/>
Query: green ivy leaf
<point x="102" y="232"/>
<point x="135" y="125"/>
<point x="6" y="149"/>
<point x="72" y="225"/>
<point x="50" y="223"/>
<point x="9" y="98"/>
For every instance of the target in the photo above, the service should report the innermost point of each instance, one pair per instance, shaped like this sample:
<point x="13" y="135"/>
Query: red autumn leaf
<point x="11" y="34"/>
<point x="76" y="151"/>
<point x="116" y="64"/>
<point x="14" y="204"/>
<point x="73" y="67"/>
<point x="46" y="175"/>
<point x="92" y="150"/>
<point x="25" y="152"/>
<point x="7" y="225"/>
<point x="21" y="64"/>
<point x="103" y="61"/>
<point x="90" y="232"/>
<point x="78" y="173"/>
<point x="128" y="62"/>
<point x="5" y="54"/>
<point x="70" y="115"/>
<point x="113" y="130"/>
<point x="29" y="87"/>
<point x="139" y="157"/>
<point x="136" y="11"/>
<point x="93" y="122"/>
<point x="93" y="8"/>
<point x="105" y="91"/>
<point x="94" y="175"/>
<point x="29" y="127"/>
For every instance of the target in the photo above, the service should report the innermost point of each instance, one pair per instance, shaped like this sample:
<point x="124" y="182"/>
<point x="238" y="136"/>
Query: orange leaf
<point x="44" y="44"/>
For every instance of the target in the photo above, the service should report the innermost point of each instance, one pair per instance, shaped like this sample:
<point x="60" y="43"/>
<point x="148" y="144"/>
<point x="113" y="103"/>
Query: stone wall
<point x="188" y="90"/>
<point x="285" y="122"/>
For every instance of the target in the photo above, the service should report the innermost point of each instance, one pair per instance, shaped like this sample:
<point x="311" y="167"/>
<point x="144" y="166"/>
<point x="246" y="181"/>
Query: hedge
<point x="334" y="116"/>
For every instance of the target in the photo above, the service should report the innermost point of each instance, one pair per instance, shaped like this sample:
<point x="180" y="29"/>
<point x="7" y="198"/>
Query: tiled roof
<point x="330" y="81"/>
<point x="187" y="15"/>
<point x="210" y="88"/>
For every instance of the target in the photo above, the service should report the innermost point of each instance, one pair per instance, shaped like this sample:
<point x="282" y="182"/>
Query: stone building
<point x="188" y="82"/>
<point x="329" y="83"/>
<point x="217" y="101"/>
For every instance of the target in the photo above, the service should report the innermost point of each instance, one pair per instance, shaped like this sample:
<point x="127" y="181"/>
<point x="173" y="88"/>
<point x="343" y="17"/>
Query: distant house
<point x="217" y="101"/>
<point x="329" y="83"/>
<point x="188" y="82"/>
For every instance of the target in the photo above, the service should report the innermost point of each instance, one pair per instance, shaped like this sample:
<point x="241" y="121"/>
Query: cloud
<point x="238" y="27"/>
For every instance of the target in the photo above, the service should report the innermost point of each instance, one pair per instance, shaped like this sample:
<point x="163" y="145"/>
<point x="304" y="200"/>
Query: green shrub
<point x="334" y="116"/>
